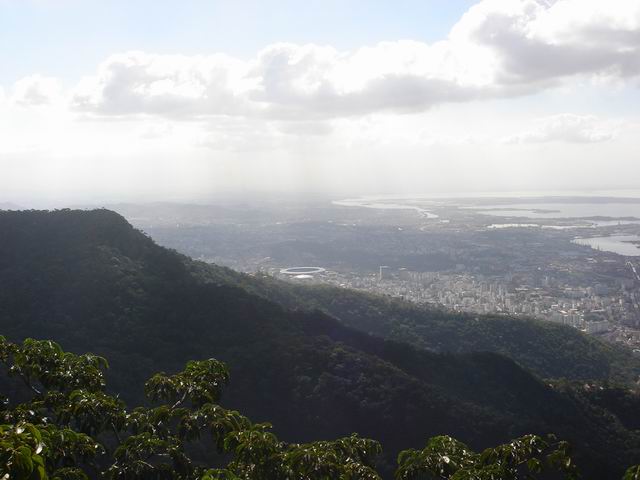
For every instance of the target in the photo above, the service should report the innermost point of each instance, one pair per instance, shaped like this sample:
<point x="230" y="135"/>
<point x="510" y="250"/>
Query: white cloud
<point x="499" y="48"/>
<point x="36" y="90"/>
<point x="567" y="127"/>
<point x="539" y="42"/>
<point x="169" y="85"/>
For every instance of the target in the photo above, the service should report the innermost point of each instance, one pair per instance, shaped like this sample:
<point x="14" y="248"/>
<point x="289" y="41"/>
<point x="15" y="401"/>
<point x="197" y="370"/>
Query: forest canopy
<point x="67" y="427"/>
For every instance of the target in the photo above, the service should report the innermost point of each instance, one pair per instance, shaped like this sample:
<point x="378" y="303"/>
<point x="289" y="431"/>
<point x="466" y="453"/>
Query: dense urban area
<point x="475" y="255"/>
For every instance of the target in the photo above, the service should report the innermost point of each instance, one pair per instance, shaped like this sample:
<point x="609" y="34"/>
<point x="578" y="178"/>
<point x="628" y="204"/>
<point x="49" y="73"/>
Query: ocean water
<point x="555" y="209"/>
<point x="365" y="203"/>
<point x="620" y="244"/>
<point x="612" y="209"/>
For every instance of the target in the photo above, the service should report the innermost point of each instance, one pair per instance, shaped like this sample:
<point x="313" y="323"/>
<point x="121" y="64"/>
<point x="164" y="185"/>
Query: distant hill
<point x="90" y="281"/>
<point x="550" y="350"/>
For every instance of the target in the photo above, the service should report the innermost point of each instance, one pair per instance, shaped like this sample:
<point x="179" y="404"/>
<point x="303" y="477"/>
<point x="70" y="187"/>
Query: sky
<point x="115" y="101"/>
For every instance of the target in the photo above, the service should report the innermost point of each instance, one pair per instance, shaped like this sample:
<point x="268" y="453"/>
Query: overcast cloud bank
<point x="499" y="48"/>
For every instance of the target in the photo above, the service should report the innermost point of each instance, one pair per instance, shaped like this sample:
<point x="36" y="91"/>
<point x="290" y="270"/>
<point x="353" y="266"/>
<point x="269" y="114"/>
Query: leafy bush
<point x="71" y="430"/>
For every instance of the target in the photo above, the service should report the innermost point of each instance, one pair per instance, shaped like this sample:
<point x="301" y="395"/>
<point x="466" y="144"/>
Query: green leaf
<point x="632" y="473"/>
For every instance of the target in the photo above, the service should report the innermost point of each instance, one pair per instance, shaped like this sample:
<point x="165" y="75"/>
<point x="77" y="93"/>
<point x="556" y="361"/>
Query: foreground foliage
<point x="70" y="429"/>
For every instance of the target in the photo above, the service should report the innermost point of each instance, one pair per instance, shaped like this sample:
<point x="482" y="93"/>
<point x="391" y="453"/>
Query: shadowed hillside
<point x="89" y="281"/>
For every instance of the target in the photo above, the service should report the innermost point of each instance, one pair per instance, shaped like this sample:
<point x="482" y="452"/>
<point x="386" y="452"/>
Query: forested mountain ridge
<point x="91" y="282"/>
<point x="548" y="349"/>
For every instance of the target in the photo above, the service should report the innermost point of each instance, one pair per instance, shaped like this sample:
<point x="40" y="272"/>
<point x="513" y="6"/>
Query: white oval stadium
<point x="302" y="270"/>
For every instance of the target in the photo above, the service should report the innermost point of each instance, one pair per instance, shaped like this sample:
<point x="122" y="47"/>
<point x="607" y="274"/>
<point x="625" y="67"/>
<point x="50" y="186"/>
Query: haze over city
<point x="114" y="101"/>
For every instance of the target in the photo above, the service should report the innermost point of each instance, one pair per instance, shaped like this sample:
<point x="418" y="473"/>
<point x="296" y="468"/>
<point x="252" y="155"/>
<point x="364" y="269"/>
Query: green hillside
<point x="550" y="350"/>
<point x="91" y="282"/>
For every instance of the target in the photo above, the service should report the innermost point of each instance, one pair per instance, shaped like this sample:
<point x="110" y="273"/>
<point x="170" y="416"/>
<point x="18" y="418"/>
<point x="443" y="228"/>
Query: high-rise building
<point x="383" y="272"/>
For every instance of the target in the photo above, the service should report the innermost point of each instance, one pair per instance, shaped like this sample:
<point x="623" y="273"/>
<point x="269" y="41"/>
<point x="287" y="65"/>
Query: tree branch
<point x="22" y="377"/>
<point x="179" y="402"/>
<point x="115" y="432"/>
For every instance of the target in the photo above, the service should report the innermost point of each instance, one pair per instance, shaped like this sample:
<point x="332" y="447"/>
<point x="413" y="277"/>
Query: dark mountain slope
<point x="549" y="350"/>
<point x="91" y="282"/>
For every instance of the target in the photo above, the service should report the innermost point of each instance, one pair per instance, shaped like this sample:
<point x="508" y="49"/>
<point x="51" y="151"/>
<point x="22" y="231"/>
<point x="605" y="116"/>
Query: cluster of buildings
<point x="594" y="309"/>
